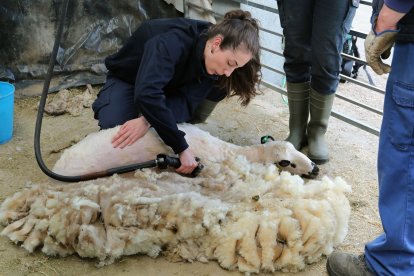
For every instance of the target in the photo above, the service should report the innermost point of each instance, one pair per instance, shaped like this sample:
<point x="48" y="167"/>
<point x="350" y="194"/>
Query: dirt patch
<point x="353" y="156"/>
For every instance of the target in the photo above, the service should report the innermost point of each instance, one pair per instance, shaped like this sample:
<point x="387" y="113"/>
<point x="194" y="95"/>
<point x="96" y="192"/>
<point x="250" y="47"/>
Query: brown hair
<point x="239" y="29"/>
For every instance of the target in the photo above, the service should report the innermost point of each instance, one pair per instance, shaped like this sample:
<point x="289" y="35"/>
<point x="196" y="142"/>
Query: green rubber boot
<point x="320" y="111"/>
<point x="203" y="111"/>
<point x="298" y="97"/>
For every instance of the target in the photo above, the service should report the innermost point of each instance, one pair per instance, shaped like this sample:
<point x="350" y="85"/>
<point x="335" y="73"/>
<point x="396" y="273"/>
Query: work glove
<point x="377" y="48"/>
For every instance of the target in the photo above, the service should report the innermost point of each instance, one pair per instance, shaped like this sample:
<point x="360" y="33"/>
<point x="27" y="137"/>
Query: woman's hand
<point x="130" y="132"/>
<point x="188" y="162"/>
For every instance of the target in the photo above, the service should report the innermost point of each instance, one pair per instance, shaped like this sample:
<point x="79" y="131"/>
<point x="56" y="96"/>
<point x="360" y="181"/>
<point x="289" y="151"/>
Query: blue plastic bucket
<point x="6" y="111"/>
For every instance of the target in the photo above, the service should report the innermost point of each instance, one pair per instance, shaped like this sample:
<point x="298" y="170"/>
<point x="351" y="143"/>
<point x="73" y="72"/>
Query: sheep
<point x="246" y="216"/>
<point x="95" y="152"/>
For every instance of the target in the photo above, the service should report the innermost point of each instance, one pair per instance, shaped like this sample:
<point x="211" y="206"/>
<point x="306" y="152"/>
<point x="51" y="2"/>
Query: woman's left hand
<point x="188" y="162"/>
<point x="130" y="132"/>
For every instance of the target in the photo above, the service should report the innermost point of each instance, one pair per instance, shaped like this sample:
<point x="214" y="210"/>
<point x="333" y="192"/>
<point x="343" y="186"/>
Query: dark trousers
<point x="314" y="32"/>
<point x="115" y="104"/>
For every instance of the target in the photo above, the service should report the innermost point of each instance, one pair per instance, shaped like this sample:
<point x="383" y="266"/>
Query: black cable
<point x="162" y="161"/>
<point x="42" y="102"/>
<point x="41" y="109"/>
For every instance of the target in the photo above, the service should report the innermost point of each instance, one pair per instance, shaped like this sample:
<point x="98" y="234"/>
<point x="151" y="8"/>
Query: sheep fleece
<point x="246" y="216"/>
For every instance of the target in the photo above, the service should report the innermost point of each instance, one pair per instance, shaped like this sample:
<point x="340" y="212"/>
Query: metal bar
<point x="255" y="5"/>
<point x="273" y="69"/>
<point x="363" y="84"/>
<point x="368" y="3"/>
<point x="279" y="89"/>
<point x="272" y="51"/>
<point x="271" y="32"/>
<point x="185" y="8"/>
<point x="266" y="8"/>
<point x="218" y="15"/>
<point x="356" y="123"/>
<point x="188" y="5"/>
<point x="358" y="33"/>
<point x="348" y="57"/>
<point x="367" y="107"/>
<point x="351" y="32"/>
<point x="274" y="87"/>
<point x="335" y="114"/>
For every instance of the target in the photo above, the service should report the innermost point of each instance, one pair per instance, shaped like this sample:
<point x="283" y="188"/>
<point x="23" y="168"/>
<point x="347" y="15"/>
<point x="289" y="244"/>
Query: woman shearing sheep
<point x="176" y="70"/>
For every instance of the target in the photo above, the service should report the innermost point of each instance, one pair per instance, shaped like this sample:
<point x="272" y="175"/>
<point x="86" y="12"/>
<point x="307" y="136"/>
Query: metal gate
<point x="266" y="49"/>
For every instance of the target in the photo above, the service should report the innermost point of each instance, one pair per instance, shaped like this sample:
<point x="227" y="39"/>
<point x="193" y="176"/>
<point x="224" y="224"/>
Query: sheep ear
<point x="266" y="139"/>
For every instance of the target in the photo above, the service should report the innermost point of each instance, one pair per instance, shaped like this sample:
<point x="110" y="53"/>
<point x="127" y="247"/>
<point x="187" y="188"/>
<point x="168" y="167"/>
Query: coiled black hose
<point x="162" y="161"/>
<point x="42" y="102"/>
<point x="39" y="119"/>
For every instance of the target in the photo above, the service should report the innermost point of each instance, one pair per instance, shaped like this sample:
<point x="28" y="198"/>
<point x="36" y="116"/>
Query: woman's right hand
<point x="188" y="162"/>
<point x="130" y="132"/>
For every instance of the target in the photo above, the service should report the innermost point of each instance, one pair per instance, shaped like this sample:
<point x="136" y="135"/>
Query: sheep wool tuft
<point x="246" y="216"/>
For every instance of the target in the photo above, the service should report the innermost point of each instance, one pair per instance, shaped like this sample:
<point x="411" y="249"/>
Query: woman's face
<point x="223" y="61"/>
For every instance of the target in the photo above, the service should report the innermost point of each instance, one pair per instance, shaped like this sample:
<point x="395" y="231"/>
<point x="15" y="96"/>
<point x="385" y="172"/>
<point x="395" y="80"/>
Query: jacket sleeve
<point x="376" y="7"/>
<point x="402" y="6"/>
<point x="184" y="104"/>
<point x="161" y="54"/>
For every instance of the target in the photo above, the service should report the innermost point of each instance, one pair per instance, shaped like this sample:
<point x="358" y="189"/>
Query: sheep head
<point x="284" y="155"/>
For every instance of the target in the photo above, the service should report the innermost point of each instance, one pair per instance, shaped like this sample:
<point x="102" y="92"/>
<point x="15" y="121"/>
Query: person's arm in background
<point x="382" y="36"/>
<point x="388" y="18"/>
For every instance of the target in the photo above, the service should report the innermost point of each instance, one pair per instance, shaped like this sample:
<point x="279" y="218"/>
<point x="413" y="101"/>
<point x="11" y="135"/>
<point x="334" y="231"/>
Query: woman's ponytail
<point x="240" y="31"/>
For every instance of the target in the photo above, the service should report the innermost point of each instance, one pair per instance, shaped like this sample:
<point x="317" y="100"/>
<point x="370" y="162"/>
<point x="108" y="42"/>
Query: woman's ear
<point x="216" y="42"/>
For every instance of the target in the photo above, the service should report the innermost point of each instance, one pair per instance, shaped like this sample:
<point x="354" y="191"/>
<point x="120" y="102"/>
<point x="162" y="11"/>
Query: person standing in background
<point x="392" y="253"/>
<point x="314" y="32"/>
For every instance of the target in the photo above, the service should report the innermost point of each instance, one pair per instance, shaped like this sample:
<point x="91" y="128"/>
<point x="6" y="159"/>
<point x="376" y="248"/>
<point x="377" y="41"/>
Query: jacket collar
<point x="199" y="54"/>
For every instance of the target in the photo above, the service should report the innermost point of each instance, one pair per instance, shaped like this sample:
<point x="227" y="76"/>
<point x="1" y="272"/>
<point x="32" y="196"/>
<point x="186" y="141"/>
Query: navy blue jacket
<point x="164" y="59"/>
<point x="406" y="24"/>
